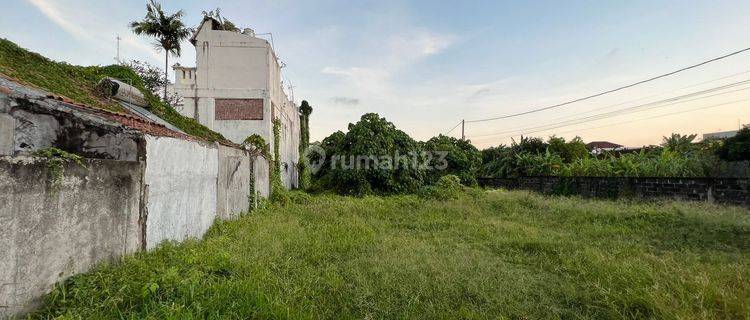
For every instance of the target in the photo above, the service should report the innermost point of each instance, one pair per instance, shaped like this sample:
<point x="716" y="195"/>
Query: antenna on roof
<point x="117" y="58"/>
<point x="291" y="91"/>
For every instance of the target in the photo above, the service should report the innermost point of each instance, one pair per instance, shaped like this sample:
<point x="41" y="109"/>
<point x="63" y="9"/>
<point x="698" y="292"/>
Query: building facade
<point x="235" y="89"/>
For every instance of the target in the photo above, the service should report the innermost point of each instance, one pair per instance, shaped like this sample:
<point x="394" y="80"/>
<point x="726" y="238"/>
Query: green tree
<point x="223" y="22"/>
<point x="678" y="142"/>
<point x="736" y="148"/>
<point x="373" y="157"/>
<point x="304" y="137"/>
<point x="168" y="30"/>
<point x="569" y="151"/>
<point x="154" y="80"/>
<point x="462" y="159"/>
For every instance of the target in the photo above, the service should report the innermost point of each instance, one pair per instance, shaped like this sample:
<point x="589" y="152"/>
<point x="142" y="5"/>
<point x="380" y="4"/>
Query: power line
<point x="654" y="95"/>
<point x="615" y="89"/>
<point x="647" y="118"/>
<point x="637" y="108"/>
<point x="454" y="128"/>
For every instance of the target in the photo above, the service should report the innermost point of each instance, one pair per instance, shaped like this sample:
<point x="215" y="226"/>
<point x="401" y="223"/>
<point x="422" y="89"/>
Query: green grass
<point x="78" y="84"/>
<point x="494" y="254"/>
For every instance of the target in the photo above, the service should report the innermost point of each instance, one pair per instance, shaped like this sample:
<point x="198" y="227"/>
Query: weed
<point x="497" y="254"/>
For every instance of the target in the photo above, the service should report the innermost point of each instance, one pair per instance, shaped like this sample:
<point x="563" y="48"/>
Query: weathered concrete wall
<point x="48" y="234"/>
<point x="34" y="122"/>
<point x="180" y="182"/>
<point x="262" y="176"/>
<point x="233" y="184"/>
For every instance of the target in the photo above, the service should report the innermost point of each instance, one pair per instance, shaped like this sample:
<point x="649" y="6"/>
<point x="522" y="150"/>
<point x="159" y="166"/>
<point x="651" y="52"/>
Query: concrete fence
<point x="54" y="227"/>
<point x="49" y="232"/>
<point x="734" y="191"/>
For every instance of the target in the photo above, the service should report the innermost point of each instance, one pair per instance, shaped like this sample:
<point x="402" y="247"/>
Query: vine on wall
<point x="305" y="178"/>
<point x="55" y="159"/>
<point x="279" y="194"/>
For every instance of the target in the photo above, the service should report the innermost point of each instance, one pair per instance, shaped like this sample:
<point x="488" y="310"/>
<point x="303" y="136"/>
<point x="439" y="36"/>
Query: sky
<point x="426" y="65"/>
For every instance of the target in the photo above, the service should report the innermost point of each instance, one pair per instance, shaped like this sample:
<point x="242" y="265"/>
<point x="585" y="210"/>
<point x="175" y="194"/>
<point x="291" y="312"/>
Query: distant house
<point x="719" y="135"/>
<point x="235" y="89"/>
<point x="597" y="147"/>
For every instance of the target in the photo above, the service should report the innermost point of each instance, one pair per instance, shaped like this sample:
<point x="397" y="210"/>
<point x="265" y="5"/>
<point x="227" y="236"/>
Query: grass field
<point x="492" y="254"/>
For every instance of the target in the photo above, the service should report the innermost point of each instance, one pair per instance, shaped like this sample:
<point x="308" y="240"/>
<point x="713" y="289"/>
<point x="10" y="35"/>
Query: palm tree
<point x="168" y="30"/>
<point x="678" y="142"/>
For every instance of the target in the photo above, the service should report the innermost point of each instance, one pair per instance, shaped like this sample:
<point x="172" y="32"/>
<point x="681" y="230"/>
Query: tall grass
<point x="484" y="255"/>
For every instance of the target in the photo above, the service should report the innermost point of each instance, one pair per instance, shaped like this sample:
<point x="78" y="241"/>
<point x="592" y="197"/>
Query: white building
<point x="235" y="89"/>
<point x="719" y="135"/>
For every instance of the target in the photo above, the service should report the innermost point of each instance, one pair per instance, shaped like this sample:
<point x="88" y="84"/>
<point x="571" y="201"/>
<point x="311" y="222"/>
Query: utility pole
<point x="463" y="122"/>
<point x="118" y="49"/>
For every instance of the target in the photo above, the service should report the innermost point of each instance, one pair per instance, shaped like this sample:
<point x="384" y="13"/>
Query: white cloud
<point x="90" y="28"/>
<point x="58" y="16"/>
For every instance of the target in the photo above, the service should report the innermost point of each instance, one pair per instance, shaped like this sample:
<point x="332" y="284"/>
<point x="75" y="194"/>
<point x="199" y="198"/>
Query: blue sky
<point x="427" y="64"/>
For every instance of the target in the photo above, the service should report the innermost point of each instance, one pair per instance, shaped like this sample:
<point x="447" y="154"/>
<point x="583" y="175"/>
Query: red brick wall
<point x="238" y="109"/>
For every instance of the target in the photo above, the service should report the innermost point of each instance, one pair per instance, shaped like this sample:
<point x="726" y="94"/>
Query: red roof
<point x="602" y="145"/>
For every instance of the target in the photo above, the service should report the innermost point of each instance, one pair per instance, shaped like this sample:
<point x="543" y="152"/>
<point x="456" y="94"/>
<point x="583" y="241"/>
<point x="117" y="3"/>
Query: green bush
<point x="368" y="141"/>
<point x="258" y="143"/>
<point x="447" y="187"/>
<point x="561" y="158"/>
<point x="736" y="148"/>
<point x="462" y="159"/>
<point x="300" y="197"/>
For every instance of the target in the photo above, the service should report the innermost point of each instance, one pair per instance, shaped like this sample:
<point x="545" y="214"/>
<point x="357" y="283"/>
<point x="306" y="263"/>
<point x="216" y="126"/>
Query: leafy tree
<point x="569" y="151"/>
<point x="373" y="157"/>
<point x="462" y="159"/>
<point x="678" y="142"/>
<point x="168" y="30"/>
<point x="305" y="110"/>
<point x="257" y="143"/>
<point x="304" y="136"/>
<point x="530" y="145"/>
<point x="736" y="148"/>
<point x="154" y="80"/>
<point x="223" y="22"/>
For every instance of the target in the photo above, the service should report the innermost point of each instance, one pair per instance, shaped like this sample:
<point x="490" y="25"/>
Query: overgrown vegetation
<point x="79" y="84"/>
<point x="678" y="157"/>
<point x="258" y="143"/>
<point x="279" y="193"/>
<point x="483" y="255"/>
<point x="305" y="176"/>
<point x="224" y="23"/>
<point x="154" y="80"/>
<point x="56" y="159"/>
<point x="350" y="168"/>
<point x="461" y="159"/>
<point x="736" y="148"/>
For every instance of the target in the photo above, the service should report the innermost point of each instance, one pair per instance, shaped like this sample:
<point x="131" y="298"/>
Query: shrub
<point x="562" y="158"/>
<point x="258" y="143"/>
<point x="462" y="159"/>
<point x="736" y="148"/>
<point x="569" y="151"/>
<point x="447" y="187"/>
<point x="367" y="142"/>
<point x="299" y="197"/>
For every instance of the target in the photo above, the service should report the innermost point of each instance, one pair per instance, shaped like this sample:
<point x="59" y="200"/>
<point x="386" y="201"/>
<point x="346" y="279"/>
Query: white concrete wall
<point x="233" y="185"/>
<point x="48" y="234"/>
<point x="180" y="181"/>
<point x="261" y="174"/>
<point x="234" y="65"/>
